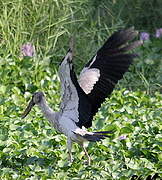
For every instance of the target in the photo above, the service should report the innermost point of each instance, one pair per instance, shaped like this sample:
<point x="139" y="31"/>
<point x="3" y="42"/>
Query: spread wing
<point x="75" y="104"/>
<point x="100" y="75"/>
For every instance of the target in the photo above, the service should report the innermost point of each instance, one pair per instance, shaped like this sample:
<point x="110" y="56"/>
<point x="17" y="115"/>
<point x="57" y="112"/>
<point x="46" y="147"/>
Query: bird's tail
<point x="97" y="136"/>
<point x="94" y="136"/>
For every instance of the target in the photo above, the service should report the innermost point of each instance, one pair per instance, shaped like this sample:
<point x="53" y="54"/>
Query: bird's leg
<point x="69" y="146"/>
<point x="86" y="153"/>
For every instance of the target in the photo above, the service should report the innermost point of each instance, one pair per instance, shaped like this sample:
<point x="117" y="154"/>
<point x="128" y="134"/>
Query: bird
<point x="83" y="96"/>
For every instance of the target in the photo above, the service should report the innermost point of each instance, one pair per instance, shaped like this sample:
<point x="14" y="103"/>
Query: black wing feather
<point x="112" y="61"/>
<point x="84" y="106"/>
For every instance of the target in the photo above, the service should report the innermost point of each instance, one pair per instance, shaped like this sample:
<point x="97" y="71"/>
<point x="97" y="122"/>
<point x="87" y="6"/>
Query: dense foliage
<point x="31" y="148"/>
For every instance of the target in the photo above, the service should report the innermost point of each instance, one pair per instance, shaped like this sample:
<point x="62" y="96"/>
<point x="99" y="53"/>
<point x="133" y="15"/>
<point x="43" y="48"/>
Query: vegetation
<point x="31" y="148"/>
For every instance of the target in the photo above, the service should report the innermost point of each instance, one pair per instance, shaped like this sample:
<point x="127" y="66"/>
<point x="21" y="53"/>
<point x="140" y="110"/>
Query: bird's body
<point x="81" y="98"/>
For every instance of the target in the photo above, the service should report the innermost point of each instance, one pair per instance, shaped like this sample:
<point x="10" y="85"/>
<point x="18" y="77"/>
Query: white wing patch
<point x="88" y="78"/>
<point x="82" y="132"/>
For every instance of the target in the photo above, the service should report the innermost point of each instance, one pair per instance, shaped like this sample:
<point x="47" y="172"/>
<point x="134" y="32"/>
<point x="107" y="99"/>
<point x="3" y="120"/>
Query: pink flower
<point x="28" y="50"/>
<point x="122" y="137"/>
<point x="158" y="33"/>
<point x="144" y="36"/>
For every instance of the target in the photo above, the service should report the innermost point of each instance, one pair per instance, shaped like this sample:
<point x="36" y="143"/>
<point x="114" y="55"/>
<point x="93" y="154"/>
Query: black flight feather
<point x="113" y="61"/>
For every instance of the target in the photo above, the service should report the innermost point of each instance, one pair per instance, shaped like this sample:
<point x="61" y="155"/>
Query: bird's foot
<point x="88" y="162"/>
<point x="70" y="158"/>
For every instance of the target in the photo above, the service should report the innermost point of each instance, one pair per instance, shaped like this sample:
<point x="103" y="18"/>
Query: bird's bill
<point x="28" y="109"/>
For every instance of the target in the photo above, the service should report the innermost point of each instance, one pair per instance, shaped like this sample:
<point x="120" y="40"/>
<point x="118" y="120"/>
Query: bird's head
<point x="36" y="99"/>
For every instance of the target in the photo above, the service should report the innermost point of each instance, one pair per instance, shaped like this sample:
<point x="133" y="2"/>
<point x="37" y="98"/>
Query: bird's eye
<point x="37" y="99"/>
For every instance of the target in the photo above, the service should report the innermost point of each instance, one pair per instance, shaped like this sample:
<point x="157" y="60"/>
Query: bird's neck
<point x="47" y="111"/>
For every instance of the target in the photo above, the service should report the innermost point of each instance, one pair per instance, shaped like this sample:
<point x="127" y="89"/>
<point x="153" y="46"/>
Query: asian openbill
<point x="82" y="98"/>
